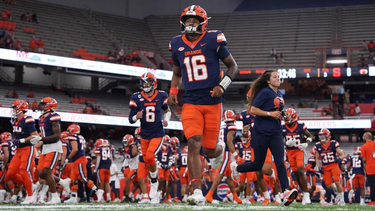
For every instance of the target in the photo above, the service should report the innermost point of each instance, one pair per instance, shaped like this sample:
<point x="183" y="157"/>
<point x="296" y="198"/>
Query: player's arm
<point x="364" y="162"/>
<point x="167" y="117"/>
<point x="56" y="133"/>
<point x="176" y="82"/>
<point x="308" y="135"/>
<point x="349" y="164"/>
<point x="231" y="64"/>
<point x="38" y="145"/>
<point x="230" y="145"/>
<point x="74" y="145"/>
<point x="340" y="153"/>
<point x="317" y="159"/>
<point x="6" y="155"/>
<point x="309" y="168"/>
<point x="97" y="160"/>
<point x="64" y="154"/>
<point x="134" y="151"/>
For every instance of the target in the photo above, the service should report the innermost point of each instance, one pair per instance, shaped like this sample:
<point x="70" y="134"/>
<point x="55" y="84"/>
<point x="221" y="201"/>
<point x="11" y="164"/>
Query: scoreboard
<point x="316" y="73"/>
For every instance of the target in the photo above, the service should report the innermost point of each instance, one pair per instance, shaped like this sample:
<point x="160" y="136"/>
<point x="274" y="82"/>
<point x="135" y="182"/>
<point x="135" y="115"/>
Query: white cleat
<point x="145" y="201"/>
<point x="341" y="203"/>
<point x="216" y="162"/>
<point x="215" y="201"/>
<point x="306" y="199"/>
<point x="54" y="200"/>
<point x="196" y="198"/>
<point x="153" y="189"/>
<point x="99" y="195"/>
<point x="72" y="200"/>
<point x="28" y="200"/>
<point x="2" y="195"/>
<point x="156" y="199"/>
<point x="13" y="199"/>
<point x="66" y="185"/>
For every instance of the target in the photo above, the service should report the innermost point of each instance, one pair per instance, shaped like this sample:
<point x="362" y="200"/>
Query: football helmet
<point x="101" y="142"/>
<point x="64" y="135"/>
<point x="74" y="129"/>
<point x="137" y="132"/>
<point x="5" y="136"/>
<point x="357" y="150"/>
<point x="185" y="150"/>
<point x="291" y="115"/>
<point x="197" y="12"/>
<point x="175" y="142"/>
<point x="19" y="106"/>
<point x="324" y="135"/>
<point x="229" y="116"/>
<point x="248" y="139"/>
<point x="248" y="95"/>
<point x="128" y="140"/>
<point x="166" y="140"/>
<point x="148" y="78"/>
<point x="312" y="151"/>
<point x="48" y="104"/>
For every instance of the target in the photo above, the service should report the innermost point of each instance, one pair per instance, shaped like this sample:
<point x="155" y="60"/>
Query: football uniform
<point x="245" y="151"/>
<point x="224" y="168"/>
<point x="50" y="150"/>
<point x="294" y="154"/>
<point x="132" y="161"/>
<point x="163" y="158"/>
<point x="151" y="123"/>
<point x="67" y="167"/>
<point x="182" y="163"/>
<point x="104" y="173"/>
<point x="358" y="172"/>
<point x="310" y="171"/>
<point x="200" y="68"/>
<point x="328" y="160"/>
<point x="247" y="118"/>
<point x="142" y="170"/>
<point x="79" y="160"/>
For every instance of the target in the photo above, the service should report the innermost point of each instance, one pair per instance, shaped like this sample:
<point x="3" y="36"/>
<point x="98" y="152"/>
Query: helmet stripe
<point x="192" y="8"/>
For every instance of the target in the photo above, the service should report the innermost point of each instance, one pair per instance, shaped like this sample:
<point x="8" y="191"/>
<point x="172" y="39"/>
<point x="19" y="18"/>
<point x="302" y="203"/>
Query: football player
<point x="132" y="157"/>
<point x="357" y="178"/>
<point x="148" y="106"/>
<point x="196" y="54"/>
<point x="164" y="161"/>
<point x="184" y="173"/>
<point x="102" y="168"/>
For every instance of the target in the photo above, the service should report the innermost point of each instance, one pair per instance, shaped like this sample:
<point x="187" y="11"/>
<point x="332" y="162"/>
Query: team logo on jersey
<point x="203" y="44"/>
<point x="181" y="48"/>
<point x="222" y="190"/>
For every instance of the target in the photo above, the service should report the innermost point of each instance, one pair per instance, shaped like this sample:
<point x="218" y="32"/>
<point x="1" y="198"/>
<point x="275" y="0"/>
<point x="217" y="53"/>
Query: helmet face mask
<point x="47" y="104"/>
<point x="128" y="140"/>
<point x="199" y="14"/>
<point x="19" y="106"/>
<point x="148" y="82"/>
<point x="290" y="115"/>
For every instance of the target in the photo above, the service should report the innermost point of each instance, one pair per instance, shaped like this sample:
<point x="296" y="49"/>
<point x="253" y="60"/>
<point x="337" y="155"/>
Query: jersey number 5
<point x="195" y="71"/>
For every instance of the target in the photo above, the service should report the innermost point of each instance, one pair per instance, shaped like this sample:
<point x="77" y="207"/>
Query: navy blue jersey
<point x="247" y="119"/>
<point x="294" y="133"/>
<point x="164" y="154"/>
<point x="268" y="100"/>
<point x="23" y="128"/>
<point x="12" y="149"/>
<point x="80" y="144"/>
<point x="224" y="132"/>
<point x="45" y="125"/>
<point x="244" y="151"/>
<point x="327" y="152"/>
<point x="182" y="159"/>
<point x="105" y="157"/>
<point x="128" y="151"/>
<point x="312" y="162"/>
<point x="200" y="66"/>
<point x="67" y="145"/>
<point x="357" y="164"/>
<point x="151" y="122"/>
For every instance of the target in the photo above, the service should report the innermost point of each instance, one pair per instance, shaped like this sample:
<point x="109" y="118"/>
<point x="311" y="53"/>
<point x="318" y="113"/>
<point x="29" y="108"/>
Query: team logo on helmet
<point x="48" y="104"/>
<point x="229" y="116"/>
<point x="19" y="106"/>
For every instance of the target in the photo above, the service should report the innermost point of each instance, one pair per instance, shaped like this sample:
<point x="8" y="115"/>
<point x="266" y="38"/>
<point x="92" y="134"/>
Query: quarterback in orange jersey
<point x="25" y="137"/>
<point x="297" y="139"/>
<point x="196" y="62"/>
<point x="326" y="152"/>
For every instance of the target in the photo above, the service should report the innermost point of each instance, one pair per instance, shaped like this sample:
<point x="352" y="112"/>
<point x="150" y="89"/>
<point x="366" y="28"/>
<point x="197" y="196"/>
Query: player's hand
<point x="35" y="139"/>
<point x="165" y="123"/>
<point x="290" y="143"/>
<point x="172" y="100"/>
<point x="275" y="114"/>
<point x="140" y="114"/>
<point x="321" y="170"/>
<point x="239" y="160"/>
<point x="66" y="160"/>
<point x="218" y="91"/>
<point x="302" y="146"/>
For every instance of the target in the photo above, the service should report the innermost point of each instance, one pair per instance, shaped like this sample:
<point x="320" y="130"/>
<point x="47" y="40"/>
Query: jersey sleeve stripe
<point x="232" y="127"/>
<point x="55" y="118"/>
<point x="30" y="119"/>
<point x="165" y="101"/>
<point x="133" y="103"/>
<point x="221" y="37"/>
<point x="72" y="138"/>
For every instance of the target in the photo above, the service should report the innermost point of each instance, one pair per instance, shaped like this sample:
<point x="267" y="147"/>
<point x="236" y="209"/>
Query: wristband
<point x="173" y="91"/>
<point x="234" y="154"/>
<point x="134" y="118"/>
<point x="268" y="113"/>
<point x="309" y="139"/>
<point x="167" y="116"/>
<point x="22" y="140"/>
<point x="225" y="82"/>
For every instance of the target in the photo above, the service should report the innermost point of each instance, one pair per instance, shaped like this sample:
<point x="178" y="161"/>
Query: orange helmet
<point x="312" y="151"/>
<point x="357" y="150"/>
<point x="137" y="131"/>
<point x="291" y="115"/>
<point x="185" y="150"/>
<point x="148" y="77"/>
<point x="19" y="106"/>
<point x="175" y="142"/>
<point x="48" y="104"/>
<point x="247" y="139"/>
<point x="229" y="116"/>
<point x="101" y="142"/>
<point x="5" y="136"/>
<point x="128" y="140"/>
<point x="324" y="134"/>
<point x="197" y="12"/>
<point x="74" y="129"/>
<point x="248" y="95"/>
<point x="64" y="135"/>
<point x="166" y="140"/>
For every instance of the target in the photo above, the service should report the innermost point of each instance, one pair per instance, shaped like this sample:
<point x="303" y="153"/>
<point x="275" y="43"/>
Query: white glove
<point x="35" y="139"/>
<point x="290" y="143"/>
<point x="66" y="161"/>
<point x="302" y="146"/>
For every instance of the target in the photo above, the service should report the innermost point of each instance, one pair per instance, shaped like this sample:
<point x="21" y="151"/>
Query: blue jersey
<point x="151" y="122"/>
<point x="247" y="119"/>
<point x="182" y="159"/>
<point x="105" y="157"/>
<point x="224" y="132"/>
<point x="200" y="66"/>
<point x="45" y="125"/>
<point x="357" y="164"/>
<point x="164" y="154"/>
<point x="327" y="152"/>
<point x="312" y="162"/>
<point x="128" y="151"/>
<point x="268" y="100"/>
<point x="12" y="149"/>
<point x="295" y="133"/>
<point x="80" y="145"/>
<point x="23" y="128"/>
<point x="244" y="151"/>
<point x="67" y="145"/>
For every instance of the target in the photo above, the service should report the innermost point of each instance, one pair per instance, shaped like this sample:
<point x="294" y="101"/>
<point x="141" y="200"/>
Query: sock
<point x="266" y="195"/>
<point x="131" y="195"/>
<point x="145" y="196"/>
<point x="277" y="198"/>
<point x="55" y="195"/>
<point x="38" y="185"/>
<point x="138" y="196"/>
<point x="362" y="200"/>
<point x="341" y="196"/>
<point x="153" y="174"/>
<point x="109" y="197"/>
